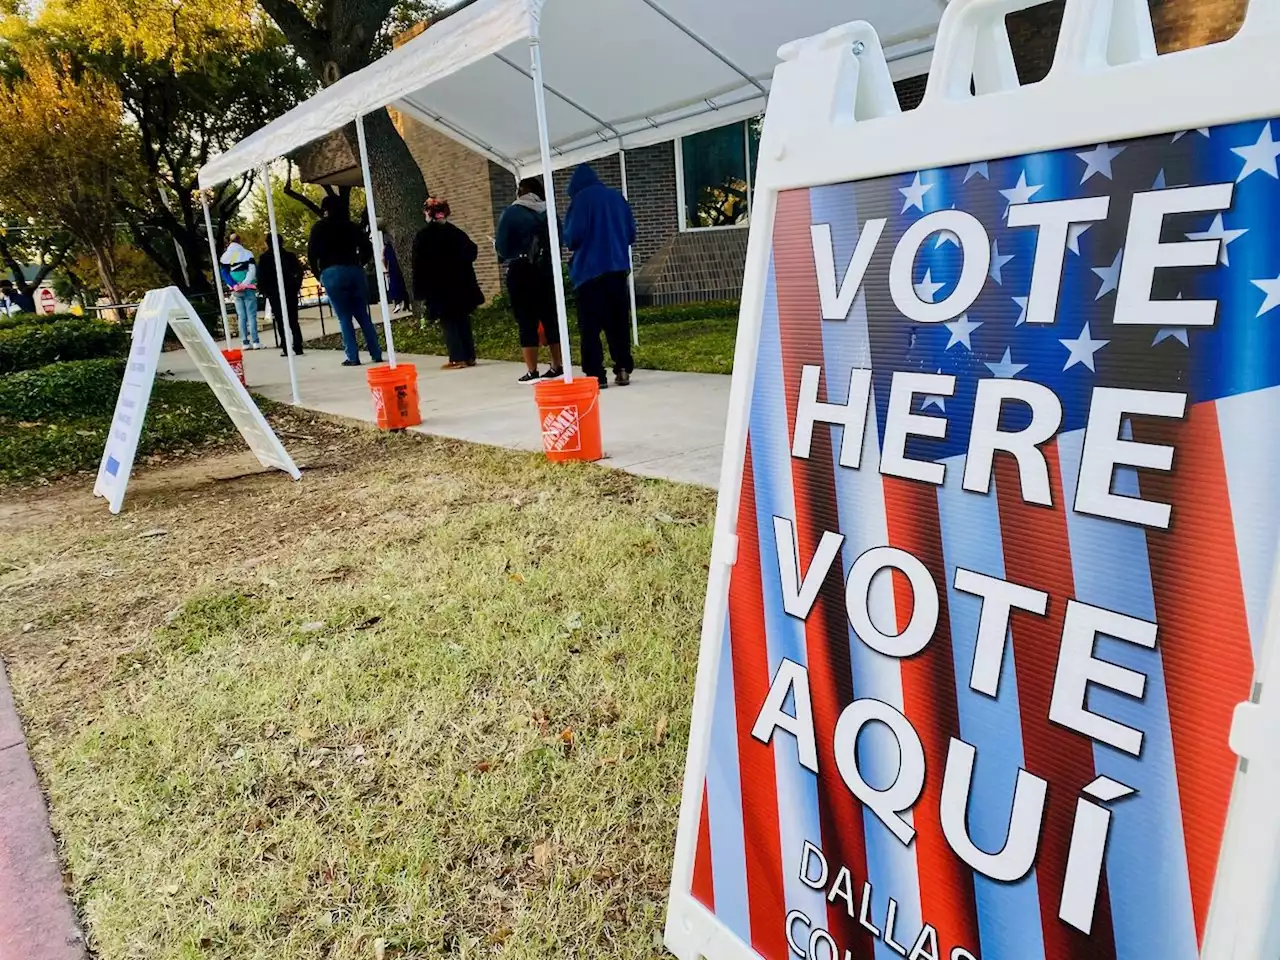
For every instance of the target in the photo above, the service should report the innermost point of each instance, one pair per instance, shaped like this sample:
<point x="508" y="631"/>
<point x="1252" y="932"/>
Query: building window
<point x="713" y="175"/>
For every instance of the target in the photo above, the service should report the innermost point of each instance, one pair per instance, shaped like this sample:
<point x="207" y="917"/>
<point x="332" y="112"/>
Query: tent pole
<point x="289" y="345"/>
<point x="376" y="236"/>
<point x="553" y="220"/>
<point x="217" y="274"/>
<point x="631" y="257"/>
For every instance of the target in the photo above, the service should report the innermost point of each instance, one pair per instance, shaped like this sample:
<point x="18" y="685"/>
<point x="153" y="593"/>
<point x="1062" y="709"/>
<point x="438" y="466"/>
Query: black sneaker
<point x="623" y="379"/>
<point x="531" y="376"/>
<point x="604" y="382"/>
<point x="553" y="373"/>
<point x="351" y="363"/>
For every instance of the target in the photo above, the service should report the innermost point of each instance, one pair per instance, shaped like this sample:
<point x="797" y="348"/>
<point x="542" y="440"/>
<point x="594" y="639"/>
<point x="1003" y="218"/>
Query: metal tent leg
<point x="376" y="235"/>
<point x="217" y="274"/>
<point x="631" y="257"/>
<point x="284" y="297"/>
<point x="553" y="220"/>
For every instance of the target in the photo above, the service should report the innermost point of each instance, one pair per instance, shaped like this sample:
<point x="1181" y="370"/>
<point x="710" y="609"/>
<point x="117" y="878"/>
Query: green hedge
<point x="34" y="319"/>
<point x="28" y="347"/>
<point x="62" y="391"/>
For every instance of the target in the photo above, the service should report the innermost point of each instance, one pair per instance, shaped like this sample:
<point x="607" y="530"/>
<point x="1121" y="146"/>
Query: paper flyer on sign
<point x="1005" y="545"/>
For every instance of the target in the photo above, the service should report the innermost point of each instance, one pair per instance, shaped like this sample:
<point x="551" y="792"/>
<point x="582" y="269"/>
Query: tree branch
<point x="310" y="42"/>
<point x="302" y="198"/>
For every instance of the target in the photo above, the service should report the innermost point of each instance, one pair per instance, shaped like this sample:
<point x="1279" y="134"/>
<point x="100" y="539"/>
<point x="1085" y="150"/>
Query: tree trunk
<point x="399" y="189"/>
<point x="107" y="274"/>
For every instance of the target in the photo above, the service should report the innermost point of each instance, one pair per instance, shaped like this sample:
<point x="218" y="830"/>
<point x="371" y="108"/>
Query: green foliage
<point x="28" y="347"/>
<point x="62" y="392"/>
<point x="182" y="416"/>
<point x="34" y="319"/>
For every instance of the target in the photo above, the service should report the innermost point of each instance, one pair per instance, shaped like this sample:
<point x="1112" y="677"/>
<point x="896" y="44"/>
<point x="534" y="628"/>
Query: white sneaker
<point x="256" y="346"/>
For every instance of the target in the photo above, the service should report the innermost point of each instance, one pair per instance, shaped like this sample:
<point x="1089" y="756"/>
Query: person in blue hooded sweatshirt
<point x="599" y="229"/>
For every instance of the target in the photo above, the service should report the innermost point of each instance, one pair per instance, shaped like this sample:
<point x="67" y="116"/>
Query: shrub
<point x="28" y="347"/>
<point x="34" y="319"/>
<point x="62" y="391"/>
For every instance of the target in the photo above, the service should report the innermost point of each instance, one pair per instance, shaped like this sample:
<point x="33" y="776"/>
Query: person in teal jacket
<point x="599" y="229"/>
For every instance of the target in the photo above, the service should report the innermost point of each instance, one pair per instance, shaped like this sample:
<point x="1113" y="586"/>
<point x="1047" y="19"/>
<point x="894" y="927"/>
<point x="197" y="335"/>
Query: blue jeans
<point x="348" y="292"/>
<point x="246" y="302"/>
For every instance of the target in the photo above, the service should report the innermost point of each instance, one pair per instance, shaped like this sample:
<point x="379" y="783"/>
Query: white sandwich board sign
<point x="989" y="662"/>
<point x="162" y="309"/>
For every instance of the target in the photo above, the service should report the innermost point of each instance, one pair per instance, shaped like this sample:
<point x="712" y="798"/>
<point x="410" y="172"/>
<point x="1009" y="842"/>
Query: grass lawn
<point x="697" y="338"/>
<point x="398" y="709"/>
<point x="182" y="418"/>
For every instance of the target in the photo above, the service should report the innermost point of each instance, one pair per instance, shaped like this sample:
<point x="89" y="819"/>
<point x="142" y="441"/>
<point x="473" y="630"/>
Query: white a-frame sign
<point x="991" y="656"/>
<point x="162" y="309"/>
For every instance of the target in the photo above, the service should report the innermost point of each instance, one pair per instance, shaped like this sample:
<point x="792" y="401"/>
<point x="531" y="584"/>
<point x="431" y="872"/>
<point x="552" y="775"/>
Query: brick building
<point x="691" y="196"/>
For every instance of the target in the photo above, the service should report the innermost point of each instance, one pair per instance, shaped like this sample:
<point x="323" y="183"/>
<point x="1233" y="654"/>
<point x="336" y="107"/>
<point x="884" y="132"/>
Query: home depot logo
<point x="561" y="430"/>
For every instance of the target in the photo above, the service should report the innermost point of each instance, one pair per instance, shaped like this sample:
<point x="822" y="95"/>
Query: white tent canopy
<point x="619" y="74"/>
<point x="607" y="76"/>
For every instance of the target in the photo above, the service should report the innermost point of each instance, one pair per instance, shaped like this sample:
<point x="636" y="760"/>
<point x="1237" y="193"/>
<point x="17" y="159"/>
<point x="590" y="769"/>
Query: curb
<point x="37" y="921"/>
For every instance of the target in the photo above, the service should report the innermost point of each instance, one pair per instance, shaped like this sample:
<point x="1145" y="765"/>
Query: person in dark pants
<point x="444" y="278"/>
<point x="270" y="287"/>
<point x="600" y="229"/>
<point x="523" y="244"/>
<point x="336" y="251"/>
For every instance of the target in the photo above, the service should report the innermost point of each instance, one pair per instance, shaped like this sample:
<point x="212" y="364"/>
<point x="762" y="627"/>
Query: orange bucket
<point x="236" y="359"/>
<point x="395" y="396"/>
<point x="570" y="417"/>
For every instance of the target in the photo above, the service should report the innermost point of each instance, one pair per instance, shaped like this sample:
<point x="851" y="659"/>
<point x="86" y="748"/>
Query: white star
<point x="932" y="401"/>
<point x="1098" y="160"/>
<point x="977" y="170"/>
<point x="1074" y="232"/>
<point x="1171" y="333"/>
<point x="1272" y="289"/>
<point x="1022" y="305"/>
<point x="926" y="289"/>
<point x="1203" y="131"/>
<point x="1220" y="233"/>
<point x="1022" y="193"/>
<point x="961" y="328"/>
<point x="998" y="262"/>
<point x="1160" y="182"/>
<point x="947" y="236"/>
<point x="1261" y="156"/>
<point x="914" y="194"/>
<point x="1110" y="275"/>
<point x="1083" y="348"/>
<point x="1006" y="369"/>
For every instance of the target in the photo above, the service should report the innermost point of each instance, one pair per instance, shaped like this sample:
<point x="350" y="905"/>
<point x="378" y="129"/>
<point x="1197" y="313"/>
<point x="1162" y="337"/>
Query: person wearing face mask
<point x="444" y="278"/>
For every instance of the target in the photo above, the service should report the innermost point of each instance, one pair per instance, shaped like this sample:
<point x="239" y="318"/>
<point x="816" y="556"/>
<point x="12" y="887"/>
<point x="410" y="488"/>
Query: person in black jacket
<point x="523" y="244"/>
<point x="336" y="251"/>
<point x="270" y="287"/>
<point x="444" y="278"/>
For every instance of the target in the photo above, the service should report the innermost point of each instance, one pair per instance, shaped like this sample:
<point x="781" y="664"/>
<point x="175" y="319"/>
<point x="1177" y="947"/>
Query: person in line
<point x="14" y="300"/>
<point x="599" y="229"/>
<point x="240" y="273"/>
<point x="397" y="294"/>
<point x="336" y="251"/>
<point x="292" y="274"/>
<point x="444" y="278"/>
<point x="523" y="244"/>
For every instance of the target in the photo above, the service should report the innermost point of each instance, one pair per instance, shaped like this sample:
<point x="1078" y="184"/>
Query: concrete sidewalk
<point x="37" y="921"/>
<point x="667" y="425"/>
